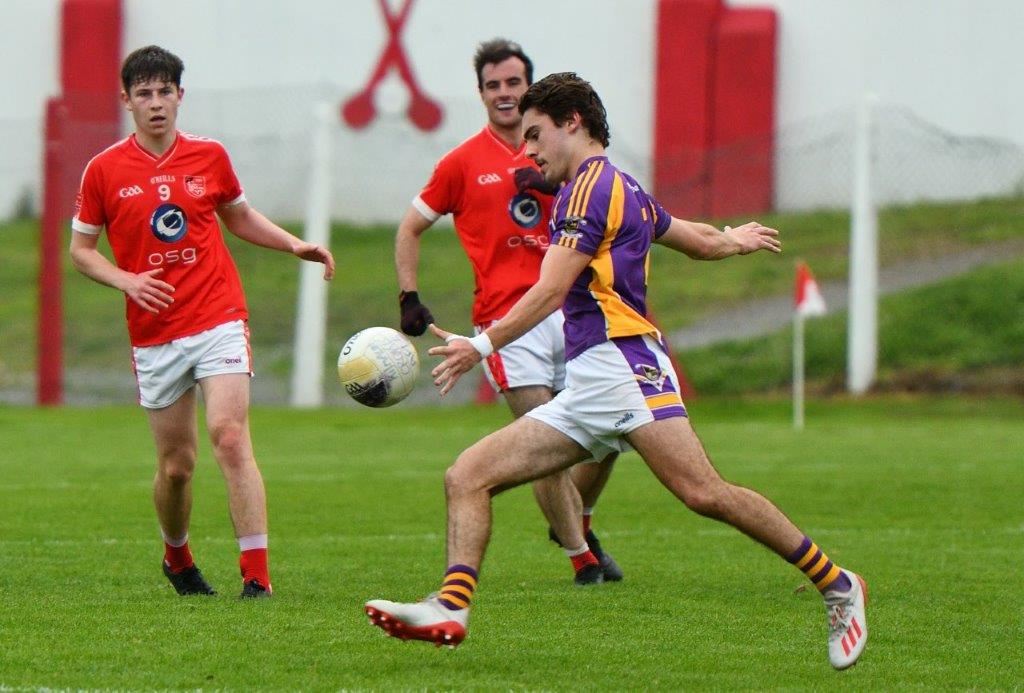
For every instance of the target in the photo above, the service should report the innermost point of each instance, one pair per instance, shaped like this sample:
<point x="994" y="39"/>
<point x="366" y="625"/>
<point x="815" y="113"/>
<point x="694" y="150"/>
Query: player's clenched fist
<point x="415" y="315"/>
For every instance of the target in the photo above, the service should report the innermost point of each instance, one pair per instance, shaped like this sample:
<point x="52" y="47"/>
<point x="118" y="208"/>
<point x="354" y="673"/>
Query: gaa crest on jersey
<point x="169" y="223"/>
<point x="195" y="185"/>
<point x="525" y="210"/>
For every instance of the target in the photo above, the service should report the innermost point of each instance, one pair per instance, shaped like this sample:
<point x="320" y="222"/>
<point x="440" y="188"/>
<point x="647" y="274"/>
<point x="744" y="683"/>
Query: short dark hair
<point x="564" y="93"/>
<point x="499" y="50"/>
<point x="151" y="62"/>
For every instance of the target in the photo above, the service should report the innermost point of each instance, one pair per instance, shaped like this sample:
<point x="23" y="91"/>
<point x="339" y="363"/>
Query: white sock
<point x="174" y="543"/>
<point x="577" y="552"/>
<point x="253" y="541"/>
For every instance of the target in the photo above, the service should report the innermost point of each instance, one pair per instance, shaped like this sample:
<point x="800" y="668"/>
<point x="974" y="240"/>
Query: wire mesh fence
<point x="377" y="170"/>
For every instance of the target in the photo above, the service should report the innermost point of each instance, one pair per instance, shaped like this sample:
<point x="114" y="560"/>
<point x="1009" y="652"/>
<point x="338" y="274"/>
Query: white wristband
<point x="482" y="343"/>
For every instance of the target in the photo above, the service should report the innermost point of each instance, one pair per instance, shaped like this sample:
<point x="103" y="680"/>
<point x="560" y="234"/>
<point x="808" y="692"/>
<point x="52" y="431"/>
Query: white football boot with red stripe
<point x="847" y="627"/>
<point x="426" y="620"/>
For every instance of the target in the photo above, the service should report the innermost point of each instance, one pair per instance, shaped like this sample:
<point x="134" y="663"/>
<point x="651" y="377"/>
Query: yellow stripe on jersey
<point x="643" y="213"/>
<point x="590" y="188"/>
<point x="577" y="189"/>
<point x="666" y="399"/>
<point x="568" y="241"/>
<point x="578" y="206"/>
<point x="620" y="320"/>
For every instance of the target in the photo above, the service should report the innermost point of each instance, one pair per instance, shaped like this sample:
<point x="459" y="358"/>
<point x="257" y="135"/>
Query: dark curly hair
<point x="564" y="93"/>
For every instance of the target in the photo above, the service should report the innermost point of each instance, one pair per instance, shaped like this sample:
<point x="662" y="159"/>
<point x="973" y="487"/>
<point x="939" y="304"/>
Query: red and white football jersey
<point x="160" y="212"/>
<point x="504" y="232"/>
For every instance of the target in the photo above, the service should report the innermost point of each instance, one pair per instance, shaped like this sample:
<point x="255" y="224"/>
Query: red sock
<point x="253" y="563"/>
<point x="583" y="559"/>
<point x="586" y="522"/>
<point x="178" y="558"/>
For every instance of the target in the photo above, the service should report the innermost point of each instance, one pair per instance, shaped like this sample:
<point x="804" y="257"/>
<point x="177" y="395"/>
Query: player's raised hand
<point x="317" y="253"/>
<point x="752" y="237"/>
<point x="415" y="315"/>
<point x="459" y="357"/>
<point x="148" y="292"/>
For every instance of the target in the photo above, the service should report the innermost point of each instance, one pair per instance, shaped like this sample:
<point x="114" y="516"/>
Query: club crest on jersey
<point x="571" y="226"/>
<point x="169" y="223"/>
<point x="195" y="185"/>
<point x="652" y="375"/>
<point x="525" y="210"/>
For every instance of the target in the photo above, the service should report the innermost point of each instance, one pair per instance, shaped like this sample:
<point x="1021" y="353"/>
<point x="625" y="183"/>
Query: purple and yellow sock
<point x="457" y="590"/>
<point x="818" y="568"/>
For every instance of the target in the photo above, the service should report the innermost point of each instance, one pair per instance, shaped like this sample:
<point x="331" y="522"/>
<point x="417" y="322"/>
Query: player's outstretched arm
<point x="145" y="289"/>
<point x="705" y="242"/>
<point x="559" y="269"/>
<point x="415" y="315"/>
<point x="249" y="225"/>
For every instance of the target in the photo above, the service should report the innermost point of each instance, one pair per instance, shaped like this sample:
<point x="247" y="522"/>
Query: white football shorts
<point x="536" y="358"/>
<point x="166" y="371"/>
<point x="611" y="389"/>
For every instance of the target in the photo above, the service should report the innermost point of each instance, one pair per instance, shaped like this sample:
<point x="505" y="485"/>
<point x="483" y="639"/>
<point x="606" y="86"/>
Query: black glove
<point x="529" y="178"/>
<point x="415" y="315"/>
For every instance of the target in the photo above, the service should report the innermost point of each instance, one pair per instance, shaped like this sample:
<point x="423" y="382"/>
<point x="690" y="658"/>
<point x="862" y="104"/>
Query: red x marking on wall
<point x="360" y="110"/>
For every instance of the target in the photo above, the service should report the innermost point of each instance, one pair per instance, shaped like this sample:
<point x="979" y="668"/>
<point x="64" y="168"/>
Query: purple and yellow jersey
<point x="605" y="213"/>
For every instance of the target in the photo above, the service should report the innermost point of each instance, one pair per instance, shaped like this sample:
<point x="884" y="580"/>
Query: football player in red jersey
<point x="159" y="193"/>
<point x="501" y="207"/>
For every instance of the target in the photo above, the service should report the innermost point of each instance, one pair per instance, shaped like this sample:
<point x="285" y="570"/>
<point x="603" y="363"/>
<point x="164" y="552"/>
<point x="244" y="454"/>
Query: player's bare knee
<point x="456" y="481"/>
<point x="177" y="466"/>
<point x="229" y="441"/>
<point x="708" y="498"/>
<point x="464" y="476"/>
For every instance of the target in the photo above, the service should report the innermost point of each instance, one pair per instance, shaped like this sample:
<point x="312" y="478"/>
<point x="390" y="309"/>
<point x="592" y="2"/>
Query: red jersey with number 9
<point x="504" y="232"/>
<point x="160" y="213"/>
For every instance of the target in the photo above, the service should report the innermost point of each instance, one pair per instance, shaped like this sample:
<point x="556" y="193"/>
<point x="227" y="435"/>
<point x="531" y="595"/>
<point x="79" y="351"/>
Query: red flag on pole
<point x="809" y="301"/>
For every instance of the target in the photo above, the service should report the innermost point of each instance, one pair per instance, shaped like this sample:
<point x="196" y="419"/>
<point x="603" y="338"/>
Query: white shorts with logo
<point x="166" y="371"/>
<point x="614" y="388"/>
<point x="536" y="358"/>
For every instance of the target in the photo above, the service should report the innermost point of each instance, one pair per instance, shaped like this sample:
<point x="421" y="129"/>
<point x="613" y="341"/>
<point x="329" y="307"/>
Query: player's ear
<point x="575" y="121"/>
<point x="126" y="100"/>
<point x="181" y="93"/>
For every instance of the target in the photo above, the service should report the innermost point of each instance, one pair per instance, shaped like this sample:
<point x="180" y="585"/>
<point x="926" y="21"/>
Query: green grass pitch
<point x="923" y="497"/>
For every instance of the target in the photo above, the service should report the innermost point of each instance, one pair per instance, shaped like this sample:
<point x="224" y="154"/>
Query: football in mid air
<point x="378" y="366"/>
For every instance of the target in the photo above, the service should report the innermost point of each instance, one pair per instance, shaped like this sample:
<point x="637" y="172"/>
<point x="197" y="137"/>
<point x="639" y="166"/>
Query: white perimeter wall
<point x="956" y="63"/>
<point x="254" y="69"/>
<point x="29" y="73"/>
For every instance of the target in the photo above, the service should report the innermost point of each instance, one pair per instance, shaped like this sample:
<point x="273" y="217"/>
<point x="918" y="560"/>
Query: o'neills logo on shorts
<point x="236" y="360"/>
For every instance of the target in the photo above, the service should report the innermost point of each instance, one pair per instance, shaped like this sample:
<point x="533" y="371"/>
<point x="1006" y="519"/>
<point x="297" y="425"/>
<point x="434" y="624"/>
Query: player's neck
<point x="512" y="136"/>
<point x="587" y="151"/>
<point x="158" y="144"/>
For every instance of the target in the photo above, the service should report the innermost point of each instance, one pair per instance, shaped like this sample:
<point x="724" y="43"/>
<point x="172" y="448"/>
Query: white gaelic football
<point x="378" y="366"/>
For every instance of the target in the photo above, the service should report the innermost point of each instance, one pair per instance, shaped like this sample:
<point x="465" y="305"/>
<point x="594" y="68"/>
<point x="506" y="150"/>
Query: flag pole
<point x="798" y="371"/>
